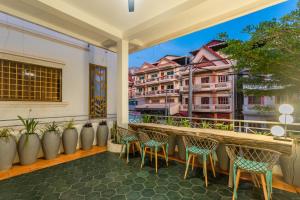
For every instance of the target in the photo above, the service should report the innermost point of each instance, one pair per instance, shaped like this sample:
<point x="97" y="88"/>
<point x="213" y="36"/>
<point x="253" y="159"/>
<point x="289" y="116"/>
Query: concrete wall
<point x="35" y="42"/>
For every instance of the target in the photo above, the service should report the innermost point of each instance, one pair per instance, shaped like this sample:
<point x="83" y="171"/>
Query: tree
<point x="271" y="56"/>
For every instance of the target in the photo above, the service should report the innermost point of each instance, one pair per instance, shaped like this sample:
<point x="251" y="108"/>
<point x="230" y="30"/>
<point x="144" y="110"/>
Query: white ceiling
<point x="103" y="22"/>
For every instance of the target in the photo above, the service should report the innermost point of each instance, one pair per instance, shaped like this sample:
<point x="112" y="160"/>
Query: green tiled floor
<point x="104" y="176"/>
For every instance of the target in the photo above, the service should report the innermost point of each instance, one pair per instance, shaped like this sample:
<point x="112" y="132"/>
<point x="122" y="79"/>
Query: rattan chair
<point x="128" y="138"/>
<point x="257" y="161"/>
<point x="153" y="140"/>
<point x="200" y="146"/>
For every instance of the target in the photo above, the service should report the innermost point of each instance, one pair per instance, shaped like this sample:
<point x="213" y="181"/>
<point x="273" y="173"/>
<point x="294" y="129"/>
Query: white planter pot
<point x="114" y="148"/>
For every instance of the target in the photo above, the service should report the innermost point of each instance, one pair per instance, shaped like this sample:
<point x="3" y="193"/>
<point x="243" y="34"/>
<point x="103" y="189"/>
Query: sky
<point x="183" y="45"/>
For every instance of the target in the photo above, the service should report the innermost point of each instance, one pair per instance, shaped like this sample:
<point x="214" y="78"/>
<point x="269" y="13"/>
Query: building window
<point x="142" y="77"/>
<point x="205" y="80"/>
<point x="170" y="100"/>
<point x="223" y="78"/>
<point x="153" y="88"/>
<point x="205" y="100"/>
<point x="254" y="100"/>
<point x="170" y="87"/>
<point x="153" y="75"/>
<point x="155" y="101"/>
<point x="186" y="82"/>
<point x="223" y="100"/>
<point x="170" y="73"/>
<point x="186" y="100"/>
<point x="29" y="82"/>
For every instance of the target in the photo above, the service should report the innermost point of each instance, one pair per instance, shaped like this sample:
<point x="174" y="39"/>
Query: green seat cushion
<point x="250" y="165"/>
<point x="197" y="150"/>
<point x="153" y="143"/>
<point x="129" y="138"/>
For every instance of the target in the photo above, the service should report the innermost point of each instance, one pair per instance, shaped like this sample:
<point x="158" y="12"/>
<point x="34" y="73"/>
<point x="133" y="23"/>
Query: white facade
<point x="26" y="41"/>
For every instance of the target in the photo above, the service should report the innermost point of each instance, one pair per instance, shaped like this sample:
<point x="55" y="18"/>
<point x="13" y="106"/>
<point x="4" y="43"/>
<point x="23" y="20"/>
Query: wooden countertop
<point x="262" y="141"/>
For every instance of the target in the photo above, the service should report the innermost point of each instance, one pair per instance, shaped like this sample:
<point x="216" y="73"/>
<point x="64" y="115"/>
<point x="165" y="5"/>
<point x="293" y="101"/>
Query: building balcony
<point x="168" y="78"/>
<point x="208" y="87"/>
<point x="258" y="109"/>
<point x="208" y="108"/>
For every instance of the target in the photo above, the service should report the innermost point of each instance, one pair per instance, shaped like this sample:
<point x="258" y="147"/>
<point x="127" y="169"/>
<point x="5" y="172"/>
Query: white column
<point x="122" y="83"/>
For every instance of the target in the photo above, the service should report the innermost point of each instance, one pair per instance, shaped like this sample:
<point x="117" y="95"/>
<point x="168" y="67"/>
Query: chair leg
<point x="151" y="152"/>
<point x="193" y="162"/>
<point x="205" y="172"/>
<point x="156" y="159"/>
<point x="143" y="156"/>
<point x="187" y="165"/>
<point x="167" y="154"/>
<point x="139" y="147"/>
<point x="121" y="152"/>
<point x="128" y="147"/>
<point x="163" y="148"/>
<point x="133" y="150"/>
<point x="212" y="165"/>
<point x="237" y="181"/>
<point x="264" y="186"/>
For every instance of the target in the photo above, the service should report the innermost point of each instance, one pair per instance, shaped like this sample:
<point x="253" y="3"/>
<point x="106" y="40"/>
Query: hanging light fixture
<point x="131" y="5"/>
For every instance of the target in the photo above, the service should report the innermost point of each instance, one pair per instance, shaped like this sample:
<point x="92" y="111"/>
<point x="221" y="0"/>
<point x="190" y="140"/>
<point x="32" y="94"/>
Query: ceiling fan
<point x="131" y="5"/>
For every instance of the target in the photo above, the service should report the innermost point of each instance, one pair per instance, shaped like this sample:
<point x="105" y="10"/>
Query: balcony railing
<point x="167" y="78"/>
<point x="208" y="86"/>
<point x="208" y="108"/>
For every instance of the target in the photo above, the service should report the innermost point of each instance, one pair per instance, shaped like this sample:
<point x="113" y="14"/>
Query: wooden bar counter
<point x="224" y="137"/>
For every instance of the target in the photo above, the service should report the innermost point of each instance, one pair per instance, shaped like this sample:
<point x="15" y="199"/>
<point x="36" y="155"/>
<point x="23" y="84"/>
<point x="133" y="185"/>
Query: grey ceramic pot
<point x="181" y="148"/>
<point x="70" y="139"/>
<point x="28" y="148"/>
<point x="87" y="137"/>
<point x="172" y="144"/>
<point x="102" y="134"/>
<point x="51" y="144"/>
<point x="223" y="158"/>
<point x="8" y="150"/>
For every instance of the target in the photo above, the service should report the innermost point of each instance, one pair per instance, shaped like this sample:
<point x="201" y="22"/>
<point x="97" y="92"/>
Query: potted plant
<point x="70" y="138"/>
<point x="51" y="141"/>
<point x="8" y="149"/>
<point x="114" y="144"/>
<point x="102" y="134"/>
<point x="29" y="143"/>
<point x="87" y="136"/>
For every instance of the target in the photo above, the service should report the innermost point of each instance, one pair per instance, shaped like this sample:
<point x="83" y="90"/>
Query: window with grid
<point x="223" y="100"/>
<point x="205" y="100"/>
<point x="29" y="82"/>
<point x="222" y="78"/>
<point x="205" y="80"/>
<point x="254" y="100"/>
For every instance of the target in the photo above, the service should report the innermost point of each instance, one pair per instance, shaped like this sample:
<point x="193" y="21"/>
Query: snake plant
<point x="30" y="125"/>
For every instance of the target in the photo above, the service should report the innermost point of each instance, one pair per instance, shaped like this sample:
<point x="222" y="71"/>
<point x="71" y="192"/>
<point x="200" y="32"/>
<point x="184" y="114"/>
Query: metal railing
<point x="241" y="126"/>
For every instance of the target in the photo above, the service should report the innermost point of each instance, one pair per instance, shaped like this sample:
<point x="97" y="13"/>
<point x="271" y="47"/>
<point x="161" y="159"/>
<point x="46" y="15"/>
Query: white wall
<point x="35" y="41"/>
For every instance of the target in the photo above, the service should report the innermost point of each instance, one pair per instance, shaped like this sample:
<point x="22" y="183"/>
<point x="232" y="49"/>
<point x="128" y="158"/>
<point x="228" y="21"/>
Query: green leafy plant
<point x="102" y="123"/>
<point x="70" y="124"/>
<point x="30" y="125"/>
<point x="5" y="133"/>
<point x="185" y="123"/>
<point x="205" y="124"/>
<point x="170" y="121"/>
<point x="52" y="127"/>
<point x="146" y="119"/>
<point x="88" y="125"/>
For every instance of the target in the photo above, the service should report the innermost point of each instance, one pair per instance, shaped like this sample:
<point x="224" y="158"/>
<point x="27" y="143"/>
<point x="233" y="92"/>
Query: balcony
<point x="208" y="108"/>
<point x="167" y="78"/>
<point x="258" y="109"/>
<point x="209" y="86"/>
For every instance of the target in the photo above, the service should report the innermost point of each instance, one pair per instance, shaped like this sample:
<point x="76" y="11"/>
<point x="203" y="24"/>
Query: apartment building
<point x="157" y="86"/>
<point x="213" y="83"/>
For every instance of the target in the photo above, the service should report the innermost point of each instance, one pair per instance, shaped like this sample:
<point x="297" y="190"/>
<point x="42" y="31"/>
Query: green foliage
<point x="115" y="137"/>
<point x="223" y="126"/>
<point x="146" y="119"/>
<point x="52" y="127"/>
<point x="185" y="123"/>
<point x="205" y="124"/>
<point x="170" y="121"/>
<point x="5" y="133"/>
<point x="70" y="124"/>
<point x="261" y="132"/>
<point x="271" y="56"/>
<point x="30" y="125"/>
